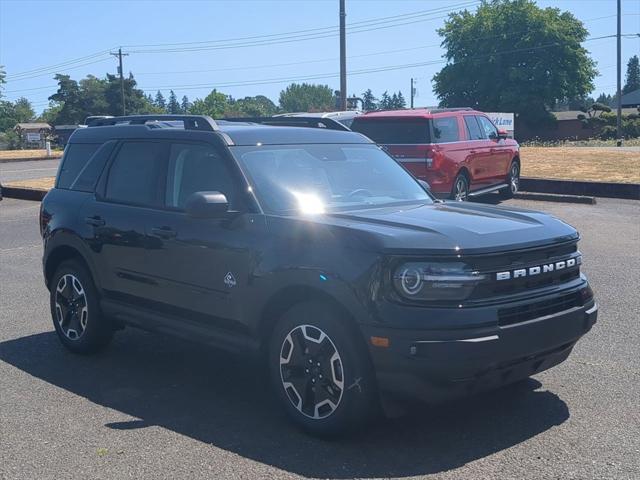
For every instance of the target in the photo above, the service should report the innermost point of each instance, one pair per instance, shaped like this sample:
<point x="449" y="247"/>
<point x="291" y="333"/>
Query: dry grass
<point x="581" y="163"/>
<point x="45" y="183"/>
<point x="19" y="154"/>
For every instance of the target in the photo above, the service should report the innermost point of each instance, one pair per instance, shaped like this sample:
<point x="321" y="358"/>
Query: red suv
<point x="458" y="151"/>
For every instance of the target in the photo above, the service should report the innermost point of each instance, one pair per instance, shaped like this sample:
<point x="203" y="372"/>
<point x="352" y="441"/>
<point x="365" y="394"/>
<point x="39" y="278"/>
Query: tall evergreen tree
<point x="185" y="105"/>
<point x="160" y="101"/>
<point x="173" y="106"/>
<point x="400" y="101"/>
<point x="369" y="101"/>
<point x="385" y="101"/>
<point x="632" y="81"/>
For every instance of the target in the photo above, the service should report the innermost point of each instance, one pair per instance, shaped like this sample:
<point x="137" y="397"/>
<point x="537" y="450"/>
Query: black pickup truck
<point x="312" y="249"/>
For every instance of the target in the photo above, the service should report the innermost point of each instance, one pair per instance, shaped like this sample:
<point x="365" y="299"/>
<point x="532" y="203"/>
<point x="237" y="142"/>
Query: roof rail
<point x="309" y="122"/>
<point x="453" y="109"/>
<point x="191" y="122"/>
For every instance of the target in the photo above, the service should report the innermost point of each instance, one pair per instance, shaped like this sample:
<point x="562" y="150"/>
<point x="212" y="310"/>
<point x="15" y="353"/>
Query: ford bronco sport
<point x="311" y="248"/>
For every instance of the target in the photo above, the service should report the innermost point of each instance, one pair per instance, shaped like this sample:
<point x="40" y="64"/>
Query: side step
<point x="484" y="191"/>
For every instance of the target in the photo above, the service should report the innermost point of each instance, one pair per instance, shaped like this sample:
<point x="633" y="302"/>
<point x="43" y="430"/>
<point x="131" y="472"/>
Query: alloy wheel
<point x="311" y="371"/>
<point x="71" y="305"/>
<point x="514" y="178"/>
<point x="461" y="190"/>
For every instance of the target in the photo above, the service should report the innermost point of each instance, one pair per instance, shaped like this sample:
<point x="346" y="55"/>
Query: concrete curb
<point x="581" y="188"/>
<point x="23" y="193"/>
<point x="28" y="159"/>
<point x="552" y="197"/>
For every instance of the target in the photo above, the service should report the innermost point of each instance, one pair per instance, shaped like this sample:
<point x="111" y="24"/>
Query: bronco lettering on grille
<point x="539" y="269"/>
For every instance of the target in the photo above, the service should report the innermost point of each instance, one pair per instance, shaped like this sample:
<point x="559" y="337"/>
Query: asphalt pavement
<point x="12" y="171"/>
<point x="154" y="407"/>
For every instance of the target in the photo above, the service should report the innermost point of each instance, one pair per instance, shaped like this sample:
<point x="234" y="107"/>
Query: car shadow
<point x="225" y="401"/>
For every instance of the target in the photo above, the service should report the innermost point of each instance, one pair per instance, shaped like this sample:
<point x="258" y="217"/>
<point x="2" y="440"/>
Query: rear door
<point x="499" y="152"/>
<point x="129" y="191"/>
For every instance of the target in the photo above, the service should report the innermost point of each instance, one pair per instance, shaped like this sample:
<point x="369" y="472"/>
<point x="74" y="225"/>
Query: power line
<point x="58" y="65"/>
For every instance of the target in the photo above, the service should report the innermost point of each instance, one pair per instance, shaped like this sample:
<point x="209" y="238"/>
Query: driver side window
<point x="488" y="128"/>
<point x="197" y="168"/>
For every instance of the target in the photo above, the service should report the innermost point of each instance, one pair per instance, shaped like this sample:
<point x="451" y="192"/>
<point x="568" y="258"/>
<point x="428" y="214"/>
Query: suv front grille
<point x="522" y="313"/>
<point x="509" y="262"/>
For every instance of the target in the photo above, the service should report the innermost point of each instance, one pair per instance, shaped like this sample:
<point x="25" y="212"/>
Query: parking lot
<point x="155" y="407"/>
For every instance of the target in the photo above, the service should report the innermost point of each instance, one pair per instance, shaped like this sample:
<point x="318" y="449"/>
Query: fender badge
<point x="229" y="280"/>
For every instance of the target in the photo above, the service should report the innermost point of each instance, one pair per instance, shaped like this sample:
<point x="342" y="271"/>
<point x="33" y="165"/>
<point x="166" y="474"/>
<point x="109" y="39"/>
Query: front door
<point x="499" y="153"/>
<point x="202" y="267"/>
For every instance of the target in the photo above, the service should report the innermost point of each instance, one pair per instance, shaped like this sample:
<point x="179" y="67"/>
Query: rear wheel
<point x="513" y="181"/>
<point x="320" y="371"/>
<point x="75" y="309"/>
<point x="460" y="192"/>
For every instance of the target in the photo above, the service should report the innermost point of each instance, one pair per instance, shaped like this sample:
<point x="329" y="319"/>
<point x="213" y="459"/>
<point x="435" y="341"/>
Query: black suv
<point x="312" y="248"/>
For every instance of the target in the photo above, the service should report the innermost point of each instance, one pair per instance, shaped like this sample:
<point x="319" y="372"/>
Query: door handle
<point x="96" y="221"/>
<point x="163" y="232"/>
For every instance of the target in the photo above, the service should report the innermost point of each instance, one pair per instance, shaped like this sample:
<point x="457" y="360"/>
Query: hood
<point x="452" y="227"/>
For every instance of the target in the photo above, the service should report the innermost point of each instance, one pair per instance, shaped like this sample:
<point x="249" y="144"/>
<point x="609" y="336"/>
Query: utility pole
<point x="412" y="91"/>
<point x="619" y="102"/>
<point x="343" y="58"/>
<point x="120" y="71"/>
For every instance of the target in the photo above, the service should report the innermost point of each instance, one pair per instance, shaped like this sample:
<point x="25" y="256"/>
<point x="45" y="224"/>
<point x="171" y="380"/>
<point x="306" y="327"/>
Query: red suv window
<point x="445" y="130"/>
<point x="394" y="130"/>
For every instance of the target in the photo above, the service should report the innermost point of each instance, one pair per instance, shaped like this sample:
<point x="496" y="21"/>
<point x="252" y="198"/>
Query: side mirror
<point x="425" y="185"/>
<point x="502" y="134"/>
<point x="206" y="205"/>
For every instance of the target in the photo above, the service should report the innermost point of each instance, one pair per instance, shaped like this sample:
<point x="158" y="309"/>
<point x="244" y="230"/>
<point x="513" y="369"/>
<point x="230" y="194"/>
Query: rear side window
<point x="137" y="174"/>
<point x="88" y="176"/>
<point x="473" y="129"/>
<point x="445" y="129"/>
<point x="394" y="131"/>
<point x="76" y="156"/>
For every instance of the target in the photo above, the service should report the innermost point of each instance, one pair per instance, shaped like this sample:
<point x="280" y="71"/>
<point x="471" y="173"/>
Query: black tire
<point x="513" y="179"/>
<point x="460" y="190"/>
<point x="351" y="405"/>
<point x="81" y="314"/>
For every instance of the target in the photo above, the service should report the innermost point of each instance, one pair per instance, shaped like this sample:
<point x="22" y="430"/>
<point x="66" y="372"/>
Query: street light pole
<point x="343" y="57"/>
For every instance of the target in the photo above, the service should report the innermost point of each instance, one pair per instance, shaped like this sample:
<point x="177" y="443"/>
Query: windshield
<point x="321" y="178"/>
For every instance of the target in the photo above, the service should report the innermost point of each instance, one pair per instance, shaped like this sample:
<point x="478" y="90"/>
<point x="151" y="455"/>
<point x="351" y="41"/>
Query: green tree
<point x="69" y="96"/>
<point x="215" y="105"/>
<point x="173" y="106"/>
<point x="258" y="106"/>
<point x="385" y="101"/>
<point x="400" y="101"/>
<point x="50" y="113"/>
<point x="160" y="102"/>
<point x="185" y="104"/>
<point x="23" y="110"/>
<point x="632" y="81"/>
<point x="7" y="116"/>
<point x="306" y="97"/>
<point x="604" y="99"/>
<point x="513" y="56"/>
<point x="369" y="101"/>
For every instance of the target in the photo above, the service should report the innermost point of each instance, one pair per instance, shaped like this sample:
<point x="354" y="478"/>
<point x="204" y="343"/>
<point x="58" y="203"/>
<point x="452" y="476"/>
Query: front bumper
<point x="433" y="365"/>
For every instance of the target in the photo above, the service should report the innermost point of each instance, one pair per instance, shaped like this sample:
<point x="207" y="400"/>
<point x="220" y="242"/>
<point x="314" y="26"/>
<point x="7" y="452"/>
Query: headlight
<point x="434" y="281"/>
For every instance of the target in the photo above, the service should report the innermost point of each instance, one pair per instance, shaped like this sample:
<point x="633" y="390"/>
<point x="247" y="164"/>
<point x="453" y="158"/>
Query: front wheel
<point x="320" y="370"/>
<point x="513" y="181"/>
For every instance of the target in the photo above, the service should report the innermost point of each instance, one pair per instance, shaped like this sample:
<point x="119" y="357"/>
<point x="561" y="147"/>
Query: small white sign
<point x="504" y="121"/>
<point x="33" y="137"/>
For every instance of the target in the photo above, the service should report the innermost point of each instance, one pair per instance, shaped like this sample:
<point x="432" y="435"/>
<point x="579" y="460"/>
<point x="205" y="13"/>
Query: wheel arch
<point x="59" y="255"/>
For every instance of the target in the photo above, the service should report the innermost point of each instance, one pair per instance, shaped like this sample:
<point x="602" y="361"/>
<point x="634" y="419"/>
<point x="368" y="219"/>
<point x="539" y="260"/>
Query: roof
<point x="631" y="99"/>
<point x="32" y="126"/>
<point x="413" y="113"/>
<point x="340" y="114"/>
<point x="232" y="133"/>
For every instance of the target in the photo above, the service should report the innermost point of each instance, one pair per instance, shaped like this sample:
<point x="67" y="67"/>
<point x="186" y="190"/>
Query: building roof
<point x="32" y="126"/>
<point x="631" y="99"/>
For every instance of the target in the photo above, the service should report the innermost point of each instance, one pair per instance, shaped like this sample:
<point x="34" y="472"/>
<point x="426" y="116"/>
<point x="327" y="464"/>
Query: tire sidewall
<point x="507" y="192"/>
<point x="97" y="332"/>
<point x="463" y="177"/>
<point x="358" y="398"/>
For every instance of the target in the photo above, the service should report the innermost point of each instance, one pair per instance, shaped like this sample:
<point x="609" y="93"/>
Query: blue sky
<point x="36" y="34"/>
